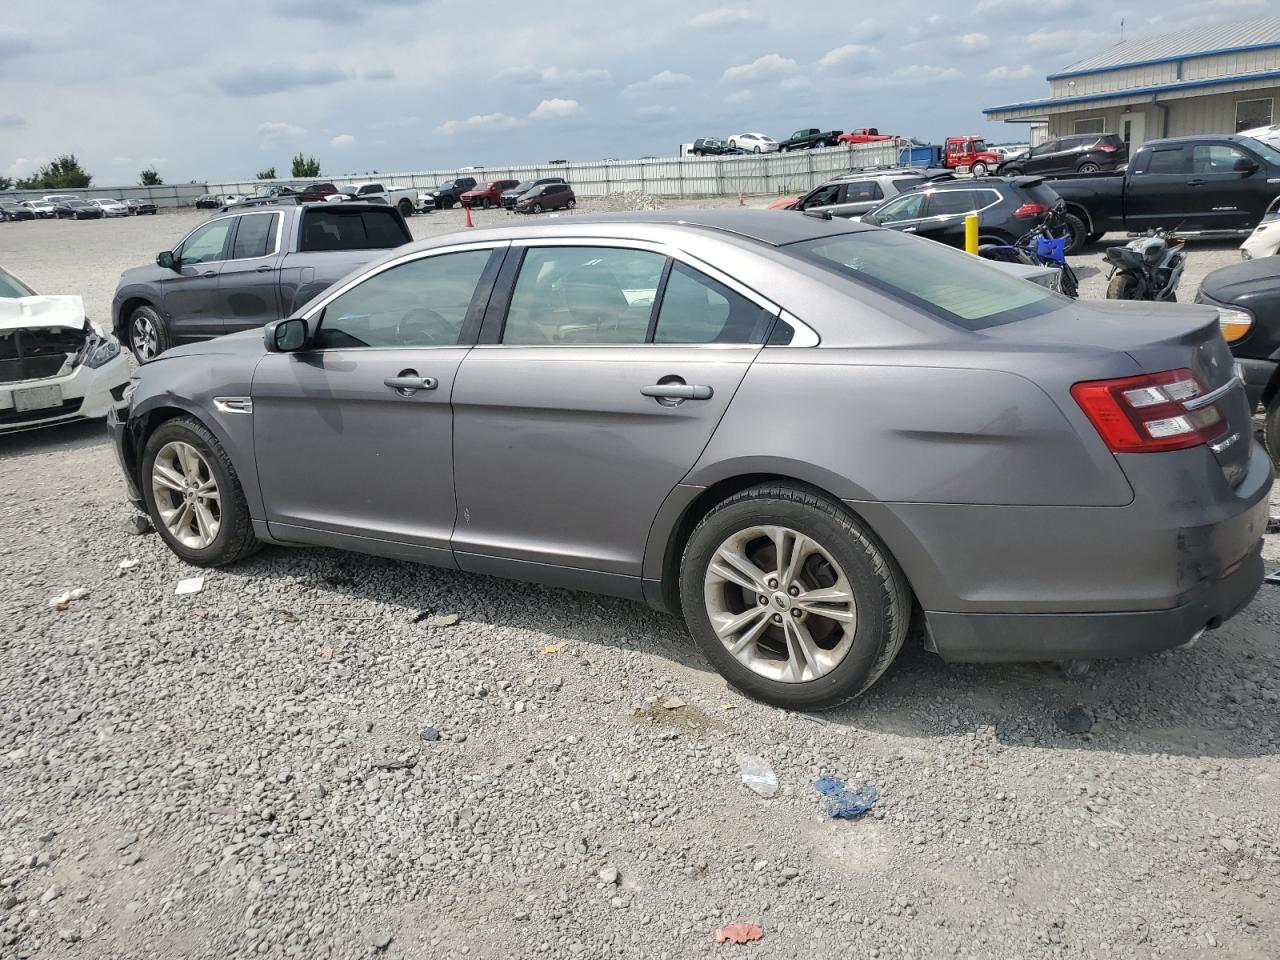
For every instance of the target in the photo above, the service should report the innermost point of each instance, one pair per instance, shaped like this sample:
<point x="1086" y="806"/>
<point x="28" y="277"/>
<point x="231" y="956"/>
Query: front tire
<point x="979" y="169"/>
<point x="536" y="208"/>
<point x="835" y="605"/>
<point x="1271" y="430"/>
<point x="193" y="495"/>
<point x="148" y="333"/>
<point x="570" y="204"/>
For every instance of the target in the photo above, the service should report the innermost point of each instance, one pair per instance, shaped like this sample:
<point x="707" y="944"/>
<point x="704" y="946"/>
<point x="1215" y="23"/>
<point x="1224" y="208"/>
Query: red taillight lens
<point x="1148" y="414"/>
<point x="1107" y="147"/>
<point x="1032" y="210"/>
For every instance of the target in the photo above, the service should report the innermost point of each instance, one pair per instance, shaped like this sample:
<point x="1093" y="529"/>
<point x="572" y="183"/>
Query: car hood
<point x="242" y="343"/>
<point x="17" y="313"/>
<point x="1244" y="283"/>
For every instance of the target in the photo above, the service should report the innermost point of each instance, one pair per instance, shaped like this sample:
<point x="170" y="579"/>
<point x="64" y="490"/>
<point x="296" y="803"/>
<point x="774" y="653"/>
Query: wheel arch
<point x="130" y="303"/>
<point x="687" y="504"/>
<point x="1077" y="210"/>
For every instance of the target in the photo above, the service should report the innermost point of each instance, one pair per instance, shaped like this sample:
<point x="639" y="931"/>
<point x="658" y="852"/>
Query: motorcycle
<point x="1147" y="268"/>
<point x="1043" y="245"/>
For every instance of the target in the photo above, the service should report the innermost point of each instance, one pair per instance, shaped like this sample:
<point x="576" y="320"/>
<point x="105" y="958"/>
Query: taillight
<point x="1106" y="147"/>
<point x="1149" y="413"/>
<point x="1032" y="210"/>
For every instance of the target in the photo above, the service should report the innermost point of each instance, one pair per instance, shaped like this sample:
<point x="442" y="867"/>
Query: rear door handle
<point x="678" y="391"/>
<point x="410" y="384"/>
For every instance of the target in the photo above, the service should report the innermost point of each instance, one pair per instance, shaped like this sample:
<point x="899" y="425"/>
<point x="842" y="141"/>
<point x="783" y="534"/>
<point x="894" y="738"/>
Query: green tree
<point x="59" y="173"/>
<point x="149" y="178"/>
<point x="6" y="183"/>
<point x="306" y="166"/>
<point x="267" y="174"/>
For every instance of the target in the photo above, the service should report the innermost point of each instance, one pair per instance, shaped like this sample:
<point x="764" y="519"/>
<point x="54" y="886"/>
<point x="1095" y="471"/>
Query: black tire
<point x="1087" y="167"/>
<point x="1271" y="430"/>
<point x="536" y="207"/>
<point x="755" y="150"/>
<point x="484" y="204"/>
<point x="1011" y="171"/>
<point x="570" y="203"/>
<point x="235" y="539"/>
<point x="163" y="341"/>
<point x="880" y="591"/>
<point x="979" y="169"/>
<point x="1077" y="233"/>
<point x="1070" y="285"/>
<point x="406" y="209"/>
<point x="1123" y="286"/>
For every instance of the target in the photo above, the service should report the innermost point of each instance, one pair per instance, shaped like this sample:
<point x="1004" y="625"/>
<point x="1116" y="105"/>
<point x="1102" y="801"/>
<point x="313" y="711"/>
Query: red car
<point x="865" y="135"/>
<point x="488" y="195"/>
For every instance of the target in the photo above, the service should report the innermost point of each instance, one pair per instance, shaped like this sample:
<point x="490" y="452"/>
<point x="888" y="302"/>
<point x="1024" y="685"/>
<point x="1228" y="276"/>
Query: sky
<point x="219" y="92"/>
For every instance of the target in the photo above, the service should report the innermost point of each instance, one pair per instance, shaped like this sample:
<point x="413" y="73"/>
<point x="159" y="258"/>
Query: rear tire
<point x="1077" y="233"/>
<point x="1123" y="286"/>
<point x="234" y="539"/>
<point x="1271" y="430"/>
<point x="1089" y="167"/>
<point x="1011" y="171"/>
<point x="842" y="656"/>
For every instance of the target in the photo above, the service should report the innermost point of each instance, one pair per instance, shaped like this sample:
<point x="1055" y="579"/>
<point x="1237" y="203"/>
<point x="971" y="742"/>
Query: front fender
<point x="129" y="297"/>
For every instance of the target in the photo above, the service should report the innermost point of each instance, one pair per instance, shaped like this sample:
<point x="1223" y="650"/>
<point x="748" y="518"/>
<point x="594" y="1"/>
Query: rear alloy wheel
<point x="979" y="169"/>
<point x="148" y="335"/>
<point x="193" y="495"/>
<point x="1089" y="167"/>
<point x="1271" y="430"/>
<point x="791" y="598"/>
<point x="570" y="204"/>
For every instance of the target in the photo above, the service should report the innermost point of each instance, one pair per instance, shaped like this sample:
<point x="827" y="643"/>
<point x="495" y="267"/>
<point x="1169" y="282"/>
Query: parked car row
<point x="67" y="207"/>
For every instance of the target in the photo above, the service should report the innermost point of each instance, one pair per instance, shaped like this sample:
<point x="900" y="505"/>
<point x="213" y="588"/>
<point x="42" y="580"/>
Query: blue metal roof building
<point x="1219" y="79"/>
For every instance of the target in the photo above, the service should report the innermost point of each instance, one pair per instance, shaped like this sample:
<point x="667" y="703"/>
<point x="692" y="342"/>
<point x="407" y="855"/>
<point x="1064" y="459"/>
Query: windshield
<point x="447" y="185"/>
<point x="523" y="185"/>
<point x="348" y="191"/>
<point x="1266" y="151"/>
<point x="942" y="282"/>
<point x="979" y="146"/>
<point x="11" y="287"/>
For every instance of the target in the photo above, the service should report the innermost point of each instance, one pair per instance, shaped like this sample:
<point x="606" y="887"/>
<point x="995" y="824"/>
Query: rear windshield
<point x="942" y="282"/>
<point x="1039" y="193"/>
<point x="352" y="230"/>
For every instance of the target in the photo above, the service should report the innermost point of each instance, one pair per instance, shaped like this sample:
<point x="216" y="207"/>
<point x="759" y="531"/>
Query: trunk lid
<point x="1158" y="337"/>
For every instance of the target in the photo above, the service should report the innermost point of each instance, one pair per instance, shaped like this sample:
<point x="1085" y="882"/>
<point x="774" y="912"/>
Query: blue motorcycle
<point x="1044" y="245"/>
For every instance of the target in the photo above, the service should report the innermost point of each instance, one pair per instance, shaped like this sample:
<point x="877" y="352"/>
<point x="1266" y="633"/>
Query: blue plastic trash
<point x="843" y="803"/>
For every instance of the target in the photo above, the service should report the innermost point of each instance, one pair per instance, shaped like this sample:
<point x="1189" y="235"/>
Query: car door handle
<point x="265" y="268"/>
<point x="410" y="383"/>
<point x="678" y="391"/>
<point x="209" y="273"/>
<point x="1195" y="181"/>
<point x="908" y="229"/>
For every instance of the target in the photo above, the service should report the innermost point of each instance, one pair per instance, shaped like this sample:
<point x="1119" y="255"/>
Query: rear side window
<point x="861" y="191"/>
<point x="351" y="230"/>
<point x="907" y="183"/>
<point x="255" y="236"/>
<point x="1173" y="160"/>
<point x="932" y="277"/>
<point x="951" y="202"/>
<point x="697" y="309"/>
<point x="1215" y="158"/>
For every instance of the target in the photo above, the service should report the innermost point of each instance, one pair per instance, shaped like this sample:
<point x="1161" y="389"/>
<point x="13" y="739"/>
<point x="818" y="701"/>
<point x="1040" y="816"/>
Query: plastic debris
<point x="1272" y="577"/>
<point x="843" y="803"/>
<point x="128" y="564"/>
<point x="326" y="654"/>
<point x="189" y="585"/>
<point x="738" y="933"/>
<point x="673" y="703"/>
<point x="758" y="775"/>
<point x="728" y="706"/>
<point x="79" y="593"/>
<point x="60" y="602"/>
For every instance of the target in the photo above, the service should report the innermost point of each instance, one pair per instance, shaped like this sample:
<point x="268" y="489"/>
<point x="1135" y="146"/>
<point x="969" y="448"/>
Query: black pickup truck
<point x="808" y="138"/>
<point x="1205" y="185"/>
<point x="245" y="268"/>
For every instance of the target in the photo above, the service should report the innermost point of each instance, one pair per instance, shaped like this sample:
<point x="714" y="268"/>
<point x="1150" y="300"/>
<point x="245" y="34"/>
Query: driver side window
<point x="422" y="303"/>
<point x="206" y="245"/>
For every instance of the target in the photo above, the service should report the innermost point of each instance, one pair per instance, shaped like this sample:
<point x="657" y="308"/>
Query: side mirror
<point x="1244" y="165"/>
<point x="285" y="336"/>
<point x="167" y="260"/>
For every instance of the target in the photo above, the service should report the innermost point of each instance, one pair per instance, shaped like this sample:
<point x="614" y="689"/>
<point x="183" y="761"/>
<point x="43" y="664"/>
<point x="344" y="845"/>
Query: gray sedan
<point x="804" y="435"/>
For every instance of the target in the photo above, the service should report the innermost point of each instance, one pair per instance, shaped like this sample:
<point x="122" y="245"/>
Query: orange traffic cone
<point x="469" y="223"/>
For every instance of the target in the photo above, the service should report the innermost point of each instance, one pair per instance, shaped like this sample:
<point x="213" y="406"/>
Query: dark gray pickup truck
<point x="241" y="270"/>
<point x="1207" y="185"/>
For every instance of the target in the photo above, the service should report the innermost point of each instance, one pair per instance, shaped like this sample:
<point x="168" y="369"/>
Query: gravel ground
<point x="328" y="755"/>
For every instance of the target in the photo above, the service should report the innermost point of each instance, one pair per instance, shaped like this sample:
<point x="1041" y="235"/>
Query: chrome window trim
<point x="229" y="216"/>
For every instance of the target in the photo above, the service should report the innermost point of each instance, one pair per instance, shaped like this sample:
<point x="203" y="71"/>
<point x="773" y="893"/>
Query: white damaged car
<point x="56" y="365"/>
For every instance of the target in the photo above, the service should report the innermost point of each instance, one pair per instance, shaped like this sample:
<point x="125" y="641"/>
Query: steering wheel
<point x="424" y="327"/>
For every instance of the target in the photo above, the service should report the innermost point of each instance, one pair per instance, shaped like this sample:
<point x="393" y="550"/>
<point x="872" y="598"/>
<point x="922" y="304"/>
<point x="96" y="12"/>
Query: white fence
<point x="167" y="195"/>
<point x="663" y="177"/>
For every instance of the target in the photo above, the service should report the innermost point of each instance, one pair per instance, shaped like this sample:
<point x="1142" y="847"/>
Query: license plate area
<point x="37" y="398"/>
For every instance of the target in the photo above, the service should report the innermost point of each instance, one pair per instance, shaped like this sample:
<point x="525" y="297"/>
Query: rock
<point x="429" y="734"/>
<point x="139" y="525"/>
<point x="1075" y="720"/>
<point x="790" y="873"/>
<point x="47" y="836"/>
<point x="443" y="619"/>
<point x="1229" y="845"/>
<point x="68" y="935"/>
<point x="610" y="876"/>
<point x="51" y="894"/>
<point x="381" y="940"/>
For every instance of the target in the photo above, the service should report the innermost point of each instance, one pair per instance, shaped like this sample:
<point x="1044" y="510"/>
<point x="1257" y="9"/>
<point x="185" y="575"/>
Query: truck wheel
<point x="1123" y="286"/>
<point x="1271" y="430"/>
<point x="979" y="169"/>
<point x="1011" y="171"/>
<point x="406" y="208"/>
<point x="1077" y="233"/>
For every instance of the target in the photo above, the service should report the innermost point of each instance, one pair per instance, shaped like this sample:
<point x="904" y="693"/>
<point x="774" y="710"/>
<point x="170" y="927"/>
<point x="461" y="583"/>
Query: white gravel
<point x="328" y="755"/>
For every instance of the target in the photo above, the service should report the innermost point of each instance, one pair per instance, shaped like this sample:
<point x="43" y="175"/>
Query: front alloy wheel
<point x="780" y="604"/>
<point x="144" y="338"/>
<point x="186" y="495"/>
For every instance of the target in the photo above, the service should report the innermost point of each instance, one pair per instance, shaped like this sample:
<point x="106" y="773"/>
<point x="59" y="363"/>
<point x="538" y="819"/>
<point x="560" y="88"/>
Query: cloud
<point x="794" y="84"/>
<point x="726" y="18"/>
<point x="342" y="140"/>
<point x="1058" y="41"/>
<point x="854" y="55"/>
<point x="273" y="130"/>
<point x="155" y="163"/>
<point x="13" y="43"/>
<point x="488" y="122"/>
<point x="555" y="108"/>
<point x="738" y="96"/>
<point x="278" y="78"/>
<point x="1010" y="73"/>
<point x="972" y="42"/>
<point x="1043" y="8"/>
<point x="655" y="112"/>
<point x="768" y="67"/>
<point x="925" y="73"/>
<point x="555" y="76"/>
<point x="378" y="73"/>
<point x="121" y="161"/>
<point x="659" y="81"/>
<point x="24" y="166"/>
<point x="393" y="124"/>
<point x="11" y="121"/>
<point x="335" y="11"/>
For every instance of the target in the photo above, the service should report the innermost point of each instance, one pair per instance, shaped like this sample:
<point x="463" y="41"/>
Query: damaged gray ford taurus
<point x="803" y="434"/>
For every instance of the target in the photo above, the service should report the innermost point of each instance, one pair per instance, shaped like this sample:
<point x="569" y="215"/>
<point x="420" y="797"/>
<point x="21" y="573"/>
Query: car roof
<point x="978" y="182"/>
<point x="1199" y="138"/>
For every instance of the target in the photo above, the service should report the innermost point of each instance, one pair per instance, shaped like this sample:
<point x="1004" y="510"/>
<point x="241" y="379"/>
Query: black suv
<point x="1248" y="296"/>
<point x="509" y="197"/>
<point x="448" y="193"/>
<point x="708" y="147"/>
<point x="1007" y="207"/>
<point x="1081" y="153"/>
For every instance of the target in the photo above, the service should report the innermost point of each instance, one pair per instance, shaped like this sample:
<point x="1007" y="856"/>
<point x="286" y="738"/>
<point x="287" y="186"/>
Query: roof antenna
<point x="1122" y="29"/>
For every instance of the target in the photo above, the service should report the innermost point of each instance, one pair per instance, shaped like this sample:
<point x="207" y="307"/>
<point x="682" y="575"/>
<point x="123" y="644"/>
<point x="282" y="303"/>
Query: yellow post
<point x="971" y="234"/>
